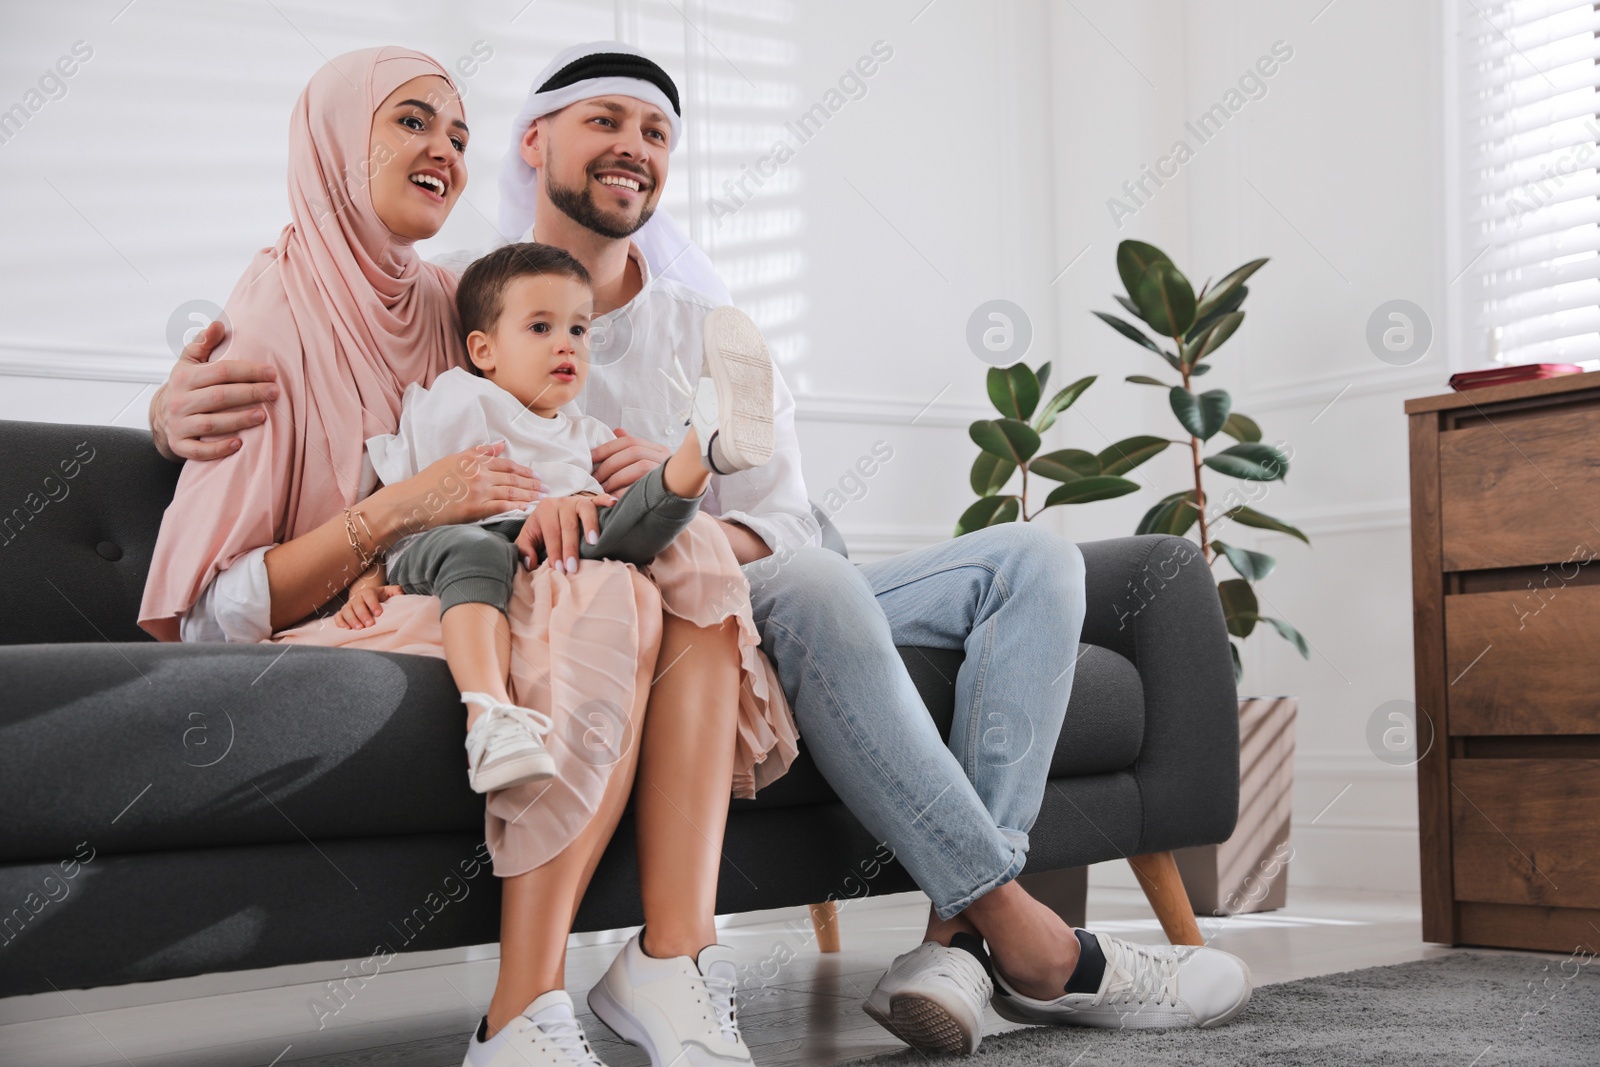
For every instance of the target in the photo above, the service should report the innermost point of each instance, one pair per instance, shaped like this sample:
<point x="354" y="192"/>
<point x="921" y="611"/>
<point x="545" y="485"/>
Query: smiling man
<point x="589" y="161"/>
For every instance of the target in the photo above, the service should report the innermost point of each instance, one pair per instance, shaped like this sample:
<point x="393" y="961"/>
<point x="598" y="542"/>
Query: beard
<point x="578" y="205"/>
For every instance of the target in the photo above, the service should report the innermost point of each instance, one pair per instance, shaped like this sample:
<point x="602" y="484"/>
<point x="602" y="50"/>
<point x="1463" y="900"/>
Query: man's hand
<point x="557" y="523"/>
<point x="203" y="399"/>
<point x="620" y="463"/>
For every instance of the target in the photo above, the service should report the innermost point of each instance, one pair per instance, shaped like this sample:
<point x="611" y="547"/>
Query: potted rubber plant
<point x="1197" y="325"/>
<point x="1248" y="872"/>
<point x="1010" y="444"/>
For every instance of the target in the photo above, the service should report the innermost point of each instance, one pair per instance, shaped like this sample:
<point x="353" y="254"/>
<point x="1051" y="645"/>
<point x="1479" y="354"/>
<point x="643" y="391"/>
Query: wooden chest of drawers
<point x="1505" y="532"/>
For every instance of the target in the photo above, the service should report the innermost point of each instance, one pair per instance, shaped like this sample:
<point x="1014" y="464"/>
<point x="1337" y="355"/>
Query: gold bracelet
<point x="367" y="559"/>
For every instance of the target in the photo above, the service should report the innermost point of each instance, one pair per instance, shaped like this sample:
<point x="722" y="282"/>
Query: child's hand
<point x="364" y="606"/>
<point x="556" y="524"/>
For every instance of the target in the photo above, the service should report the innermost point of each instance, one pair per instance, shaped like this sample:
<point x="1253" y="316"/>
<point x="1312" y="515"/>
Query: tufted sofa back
<point x="80" y="507"/>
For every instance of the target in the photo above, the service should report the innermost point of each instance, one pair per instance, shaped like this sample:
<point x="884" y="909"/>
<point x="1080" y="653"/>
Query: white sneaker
<point x="546" y="1034"/>
<point x="683" y="1012"/>
<point x="932" y="998"/>
<point x="1144" y="987"/>
<point x="505" y="747"/>
<point x="731" y="410"/>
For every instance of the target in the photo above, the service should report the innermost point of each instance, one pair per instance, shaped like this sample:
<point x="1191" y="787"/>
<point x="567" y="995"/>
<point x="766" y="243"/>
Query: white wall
<point x="976" y="165"/>
<point x="1337" y="173"/>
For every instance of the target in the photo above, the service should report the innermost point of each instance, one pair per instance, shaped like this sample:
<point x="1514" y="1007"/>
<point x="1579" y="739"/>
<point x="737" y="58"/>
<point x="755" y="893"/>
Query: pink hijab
<point x="347" y="312"/>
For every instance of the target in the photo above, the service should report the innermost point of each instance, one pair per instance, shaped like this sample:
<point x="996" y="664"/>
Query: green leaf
<point x="1166" y="300"/>
<point x="1065" y="465"/>
<point x="1145" y="379"/>
<point x="1202" y="323"/>
<point x="1199" y="368"/>
<point x="1061" y="402"/>
<point x="1201" y="415"/>
<point x="1128" y="453"/>
<point x="1014" y="390"/>
<point x="1127" y="329"/>
<point x="990" y="473"/>
<point x="1129" y="306"/>
<point x="1246" y="516"/>
<point x="1083" y="490"/>
<point x="1252" y="461"/>
<point x="1214" y="337"/>
<point x="1006" y="438"/>
<point x="1134" y="258"/>
<point x="1174" y="515"/>
<point x="987" y="512"/>
<point x="1290" y="634"/>
<point x="1044" y="377"/>
<point x="1230" y="284"/>
<point x="1239" y="607"/>
<point x="1238" y="668"/>
<point x="1252" y="565"/>
<point x="1241" y="428"/>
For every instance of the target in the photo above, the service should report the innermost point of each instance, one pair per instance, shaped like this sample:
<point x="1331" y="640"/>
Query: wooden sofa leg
<point x="1163" y="888"/>
<point x="825" y="921"/>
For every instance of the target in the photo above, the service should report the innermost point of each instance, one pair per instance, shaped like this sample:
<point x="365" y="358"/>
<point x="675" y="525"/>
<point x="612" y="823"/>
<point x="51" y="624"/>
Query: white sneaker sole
<point x="738" y="363"/>
<point x="925" y="1023"/>
<point x="534" y="767"/>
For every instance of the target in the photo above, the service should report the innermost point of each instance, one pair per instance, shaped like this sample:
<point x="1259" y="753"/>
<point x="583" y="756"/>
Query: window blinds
<point x="1530" y="191"/>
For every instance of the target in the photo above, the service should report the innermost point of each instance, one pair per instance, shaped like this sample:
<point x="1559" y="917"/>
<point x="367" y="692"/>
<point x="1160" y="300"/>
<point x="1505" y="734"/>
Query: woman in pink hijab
<point x="349" y="315"/>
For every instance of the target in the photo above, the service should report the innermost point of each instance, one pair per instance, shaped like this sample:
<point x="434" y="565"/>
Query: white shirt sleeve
<point x="771" y="499"/>
<point x="236" y="606"/>
<point x="434" y="423"/>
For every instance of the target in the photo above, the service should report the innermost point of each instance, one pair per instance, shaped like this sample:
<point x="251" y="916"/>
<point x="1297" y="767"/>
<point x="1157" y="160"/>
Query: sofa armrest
<point x="1152" y="599"/>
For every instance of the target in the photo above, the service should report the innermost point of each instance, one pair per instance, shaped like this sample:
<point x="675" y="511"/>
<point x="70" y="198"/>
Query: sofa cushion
<point x="147" y="746"/>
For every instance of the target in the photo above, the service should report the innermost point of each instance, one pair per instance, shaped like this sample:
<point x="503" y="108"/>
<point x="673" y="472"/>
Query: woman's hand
<point x="620" y="463"/>
<point x="463" y="488"/>
<point x="205" y="399"/>
<point x="555" y="524"/>
<point x="364" y="606"/>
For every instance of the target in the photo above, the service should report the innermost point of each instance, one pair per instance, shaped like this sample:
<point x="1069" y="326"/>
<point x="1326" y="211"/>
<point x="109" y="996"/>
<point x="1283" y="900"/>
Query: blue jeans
<point x="1012" y="597"/>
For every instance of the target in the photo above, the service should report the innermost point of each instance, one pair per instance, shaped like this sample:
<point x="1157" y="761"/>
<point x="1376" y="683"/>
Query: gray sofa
<point x="173" y="810"/>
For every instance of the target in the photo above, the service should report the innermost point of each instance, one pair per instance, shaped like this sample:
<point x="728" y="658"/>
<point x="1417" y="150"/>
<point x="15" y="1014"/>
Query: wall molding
<point x="822" y="407"/>
<point x="1356" y="765"/>
<point x="1319" y="389"/>
<point x="1358" y="517"/>
<point x="42" y="359"/>
<point x="46" y="359"/>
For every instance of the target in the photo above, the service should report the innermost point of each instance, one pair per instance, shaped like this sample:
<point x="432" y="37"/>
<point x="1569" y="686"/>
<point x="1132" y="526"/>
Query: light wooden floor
<point x="807" y="1012"/>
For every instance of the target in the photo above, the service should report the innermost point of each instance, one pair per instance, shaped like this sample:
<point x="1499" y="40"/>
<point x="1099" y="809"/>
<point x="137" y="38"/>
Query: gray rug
<point x="1463" y="1010"/>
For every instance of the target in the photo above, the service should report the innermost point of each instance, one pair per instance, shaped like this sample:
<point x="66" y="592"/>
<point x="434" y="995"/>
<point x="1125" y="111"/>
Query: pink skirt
<point x="575" y="655"/>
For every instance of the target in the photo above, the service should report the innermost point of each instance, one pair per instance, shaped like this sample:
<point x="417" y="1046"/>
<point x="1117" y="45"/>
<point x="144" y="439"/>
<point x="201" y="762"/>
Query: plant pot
<point x="1249" y="872"/>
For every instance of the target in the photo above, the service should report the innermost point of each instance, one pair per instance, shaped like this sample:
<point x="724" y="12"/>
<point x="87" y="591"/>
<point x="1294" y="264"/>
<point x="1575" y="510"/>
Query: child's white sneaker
<point x="546" y="1034"/>
<point x="731" y="410"/>
<point x="505" y="747"/>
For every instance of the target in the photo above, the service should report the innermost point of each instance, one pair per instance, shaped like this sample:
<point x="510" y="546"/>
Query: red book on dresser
<point x="1475" y="379"/>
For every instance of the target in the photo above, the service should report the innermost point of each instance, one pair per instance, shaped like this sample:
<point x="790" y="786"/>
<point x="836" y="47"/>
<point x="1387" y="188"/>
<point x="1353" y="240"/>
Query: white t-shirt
<point x="644" y="357"/>
<point x="462" y="410"/>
